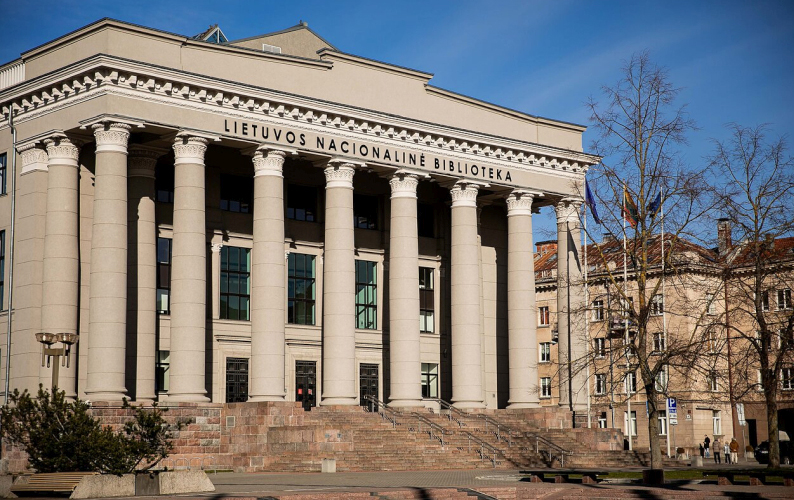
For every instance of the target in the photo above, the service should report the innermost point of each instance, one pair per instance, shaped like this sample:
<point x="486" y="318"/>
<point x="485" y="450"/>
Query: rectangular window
<point x="711" y="307"/>
<point x="598" y="310"/>
<point x="658" y="342"/>
<point x="784" y="299"/>
<point x="3" y="173"/>
<point x="602" y="420"/>
<point x="630" y="383"/>
<point x="301" y="289"/>
<point x="543" y="316"/>
<point x="237" y="193"/>
<point x="302" y="203"/>
<point x="366" y="295"/>
<point x="235" y="283"/>
<point x="760" y="383"/>
<point x="236" y="380"/>
<point x="660" y="384"/>
<point x="714" y="382"/>
<point x="2" y="269"/>
<point x="163" y="275"/>
<point x="600" y="347"/>
<point x="657" y="305"/>
<point x="716" y="419"/>
<point x="662" y="416"/>
<point x="365" y="211"/>
<point x="164" y="183"/>
<point x="429" y="380"/>
<point x="425" y="220"/>
<point x="545" y="352"/>
<point x="787" y="378"/>
<point x="427" y="300"/>
<point x="600" y="384"/>
<point x="545" y="387"/>
<point x="712" y="341"/>
<point x="764" y="301"/>
<point x="630" y="423"/>
<point x="163" y="376"/>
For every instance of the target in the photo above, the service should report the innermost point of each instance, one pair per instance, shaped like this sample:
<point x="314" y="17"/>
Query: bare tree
<point x="641" y="129"/>
<point x="757" y="199"/>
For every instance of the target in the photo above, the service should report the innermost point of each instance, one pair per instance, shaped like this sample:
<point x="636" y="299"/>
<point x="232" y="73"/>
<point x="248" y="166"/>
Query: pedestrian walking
<point x="706" y="445"/>
<point x="701" y="450"/>
<point x="734" y="451"/>
<point x="717" y="447"/>
<point x="726" y="448"/>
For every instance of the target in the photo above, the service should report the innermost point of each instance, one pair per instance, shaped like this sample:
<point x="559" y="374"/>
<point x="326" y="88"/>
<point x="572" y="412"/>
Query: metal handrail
<point x="385" y="412"/>
<point x="433" y="428"/>
<point x="446" y="405"/>
<point x="549" y="445"/>
<point x="483" y="447"/>
<point x="499" y="428"/>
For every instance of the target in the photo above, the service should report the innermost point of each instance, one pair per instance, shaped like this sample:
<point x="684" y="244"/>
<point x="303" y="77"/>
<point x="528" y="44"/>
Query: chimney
<point x="545" y="247"/>
<point x="724" y="242"/>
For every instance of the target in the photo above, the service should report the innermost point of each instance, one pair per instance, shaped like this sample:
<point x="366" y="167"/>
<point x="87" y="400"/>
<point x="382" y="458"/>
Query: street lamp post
<point x="48" y="352"/>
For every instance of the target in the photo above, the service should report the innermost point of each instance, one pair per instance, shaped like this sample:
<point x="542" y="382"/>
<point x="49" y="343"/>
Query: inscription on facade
<point x="365" y="151"/>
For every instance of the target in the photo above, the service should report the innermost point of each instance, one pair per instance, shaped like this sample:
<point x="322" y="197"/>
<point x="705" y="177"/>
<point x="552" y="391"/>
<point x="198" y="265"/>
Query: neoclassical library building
<point x="197" y="219"/>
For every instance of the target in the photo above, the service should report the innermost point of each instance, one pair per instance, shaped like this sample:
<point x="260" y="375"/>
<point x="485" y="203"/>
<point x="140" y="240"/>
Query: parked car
<point x="786" y="452"/>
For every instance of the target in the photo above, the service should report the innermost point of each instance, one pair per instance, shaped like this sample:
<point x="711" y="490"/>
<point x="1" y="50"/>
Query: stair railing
<point x="453" y="414"/>
<point x="485" y="450"/>
<point x="551" y="448"/>
<point x="434" y="430"/>
<point x="386" y="413"/>
<point x="502" y="432"/>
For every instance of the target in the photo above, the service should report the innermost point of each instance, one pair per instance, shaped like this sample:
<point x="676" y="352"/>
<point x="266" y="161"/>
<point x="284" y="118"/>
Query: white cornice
<point x="103" y="74"/>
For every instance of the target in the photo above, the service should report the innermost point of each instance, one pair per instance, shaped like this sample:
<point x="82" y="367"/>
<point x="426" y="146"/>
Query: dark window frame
<point x="164" y="274"/>
<point x="429" y="380"/>
<point x="297" y="207"/>
<point x="427" y="300"/>
<point x="237" y="385"/>
<point x="2" y="269"/>
<point x="161" y="368"/>
<point x="228" y="277"/>
<point x="3" y="173"/>
<point x="366" y="309"/>
<point x="237" y="194"/>
<point x="295" y="281"/>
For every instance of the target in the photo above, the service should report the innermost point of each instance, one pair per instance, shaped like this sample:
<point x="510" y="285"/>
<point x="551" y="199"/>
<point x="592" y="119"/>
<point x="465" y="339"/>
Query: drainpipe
<point x="11" y="248"/>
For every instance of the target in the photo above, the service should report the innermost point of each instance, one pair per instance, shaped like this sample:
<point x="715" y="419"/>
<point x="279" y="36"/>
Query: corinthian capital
<point x="142" y="160"/>
<point x="568" y="210"/>
<point x="189" y="149"/>
<point x="111" y="137"/>
<point x="519" y="203"/>
<point x="34" y="158"/>
<point x="464" y="194"/>
<point x="339" y="174"/>
<point x="61" y="151"/>
<point x="403" y="185"/>
<point x="269" y="161"/>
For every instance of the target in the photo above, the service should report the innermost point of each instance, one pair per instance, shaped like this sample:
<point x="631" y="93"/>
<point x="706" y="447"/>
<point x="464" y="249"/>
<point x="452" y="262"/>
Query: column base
<point x="405" y="403"/>
<point x="468" y="405"/>
<point x="338" y="401"/>
<point x="187" y="398"/>
<point x="259" y="399"/>
<point x="522" y="405"/>
<point x="105" y="396"/>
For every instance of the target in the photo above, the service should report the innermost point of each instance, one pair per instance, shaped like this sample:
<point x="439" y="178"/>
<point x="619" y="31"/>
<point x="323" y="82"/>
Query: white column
<point x="521" y="310"/>
<point x="61" y="266"/>
<point x="188" y="272"/>
<point x="108" y="307"/>
<point x="404" y="339"/>
<point x="570" y="283"/>
<point x="268" y="278"/>
<point x="465" y="299"/>
<point x="142" y="271"/>
<point x="339" y="288"/>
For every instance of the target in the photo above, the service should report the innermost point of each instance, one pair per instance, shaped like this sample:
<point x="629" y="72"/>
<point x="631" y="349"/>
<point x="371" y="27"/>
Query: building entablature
<point x="246" y="114"/>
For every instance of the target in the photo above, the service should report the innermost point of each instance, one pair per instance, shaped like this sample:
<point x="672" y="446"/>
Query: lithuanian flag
<point x="630" y="212"/>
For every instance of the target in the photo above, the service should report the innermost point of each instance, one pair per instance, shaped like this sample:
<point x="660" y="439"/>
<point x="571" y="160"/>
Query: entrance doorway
<point x="306" y="383"/>
<point x="236" y="380"/>
<point x="367" y="383"/>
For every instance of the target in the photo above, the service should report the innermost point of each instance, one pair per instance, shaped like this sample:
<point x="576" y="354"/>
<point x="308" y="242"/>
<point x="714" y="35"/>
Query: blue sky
<point x="734" y="60"/>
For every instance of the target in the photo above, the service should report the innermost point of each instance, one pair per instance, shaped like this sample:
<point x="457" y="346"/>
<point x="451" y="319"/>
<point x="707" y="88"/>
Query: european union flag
<point x="590" y="202"/>
<point x="655" y="204"/>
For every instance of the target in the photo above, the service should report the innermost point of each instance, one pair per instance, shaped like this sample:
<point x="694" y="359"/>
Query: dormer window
<point x="212" y="35"/>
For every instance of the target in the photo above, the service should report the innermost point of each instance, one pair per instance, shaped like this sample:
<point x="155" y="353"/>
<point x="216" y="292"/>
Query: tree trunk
<point x="771" y="421"/>
<point x="653" y="434"/>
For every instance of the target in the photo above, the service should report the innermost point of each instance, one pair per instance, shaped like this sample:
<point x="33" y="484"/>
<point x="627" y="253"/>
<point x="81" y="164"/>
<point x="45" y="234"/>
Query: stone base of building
<point x="282" y="436"/>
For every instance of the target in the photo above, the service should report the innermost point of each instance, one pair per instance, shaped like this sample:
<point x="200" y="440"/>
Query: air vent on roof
<point x="271" y="48"/>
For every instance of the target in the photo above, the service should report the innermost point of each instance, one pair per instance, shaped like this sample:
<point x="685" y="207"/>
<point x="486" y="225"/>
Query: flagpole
<point x="587" y="319"/>
<point x="625" y="301"/>
<point x="568" y="312"/>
